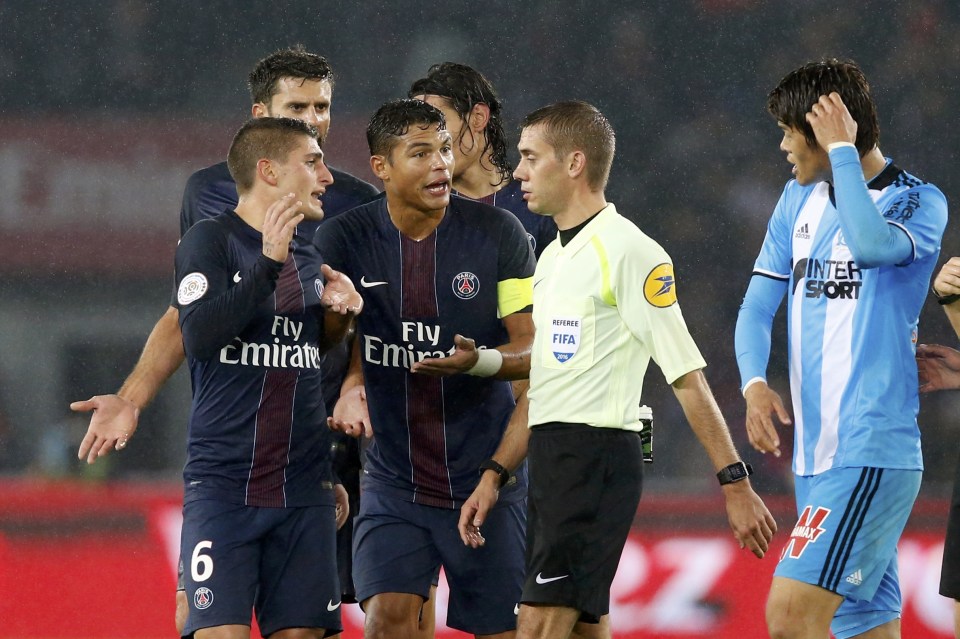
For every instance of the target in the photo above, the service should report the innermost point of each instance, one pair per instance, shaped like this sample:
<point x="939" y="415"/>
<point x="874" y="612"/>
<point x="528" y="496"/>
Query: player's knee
<point x="782" y="625"/>
<point x="391" y="616"/>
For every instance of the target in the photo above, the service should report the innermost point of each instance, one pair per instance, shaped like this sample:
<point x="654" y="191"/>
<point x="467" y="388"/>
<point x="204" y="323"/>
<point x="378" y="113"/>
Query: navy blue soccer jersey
<point x="431" y="433"/>
<point x="541" y="229"/>
<point x="211" y="191"/>
<point x="251" y="330"/>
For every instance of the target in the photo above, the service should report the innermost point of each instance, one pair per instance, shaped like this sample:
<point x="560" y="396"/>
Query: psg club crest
<point x="202" y="598"/>
<point x="564" y="337"/>
<point x="466" y="285"/>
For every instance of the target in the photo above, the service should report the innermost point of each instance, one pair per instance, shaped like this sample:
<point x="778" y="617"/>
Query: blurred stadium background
<point x="107" y="107"/>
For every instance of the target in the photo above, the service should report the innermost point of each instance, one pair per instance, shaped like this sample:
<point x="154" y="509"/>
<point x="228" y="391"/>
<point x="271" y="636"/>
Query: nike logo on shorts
<point x="332" y="606"/>
<point x="236" y="277"/>
<point x="516" y="609"/>
<point x="365" y="284"/>
<point x="545" y="580"/>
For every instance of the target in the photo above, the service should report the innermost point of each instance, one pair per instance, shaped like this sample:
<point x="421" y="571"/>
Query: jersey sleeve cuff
<point x="840" y="145"/>
<point x="751" y="382"/>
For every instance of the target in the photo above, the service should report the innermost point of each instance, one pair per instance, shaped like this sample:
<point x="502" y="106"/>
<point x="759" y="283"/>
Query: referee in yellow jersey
<point x="605" y="304"/>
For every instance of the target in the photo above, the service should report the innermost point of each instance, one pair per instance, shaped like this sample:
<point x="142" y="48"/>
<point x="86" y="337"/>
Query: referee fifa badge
<point x="564" y="337"/>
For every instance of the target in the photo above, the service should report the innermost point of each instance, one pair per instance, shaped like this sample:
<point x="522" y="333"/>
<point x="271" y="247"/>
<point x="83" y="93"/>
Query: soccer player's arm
<point x="939" y="366"/>
<point x="115" y="417"/>
<point x="350" y="413"/>
<point x="214" y="308"/>
<point x="874" y="240"/>
<point x="515" y="299"/>
<point x="752" y="337"/>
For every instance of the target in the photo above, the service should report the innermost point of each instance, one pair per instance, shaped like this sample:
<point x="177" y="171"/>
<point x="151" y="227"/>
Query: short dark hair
<point x="800" y="89"/>
<point x="578" y="126"/>
<point x="295" y="62"/>
<point x="465" y="88"/>
<point x="270" y="138"/>
<point x="394" y="119"/>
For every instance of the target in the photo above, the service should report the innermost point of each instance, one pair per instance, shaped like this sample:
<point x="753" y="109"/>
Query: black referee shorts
<point x="585" y="486"/>
<point x="950" y="570"/>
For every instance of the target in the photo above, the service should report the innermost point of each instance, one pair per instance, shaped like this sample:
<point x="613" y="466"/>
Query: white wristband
<point x="751" y="382"/>
<point x="489" y="361"/>
<point x="837" y="145"/>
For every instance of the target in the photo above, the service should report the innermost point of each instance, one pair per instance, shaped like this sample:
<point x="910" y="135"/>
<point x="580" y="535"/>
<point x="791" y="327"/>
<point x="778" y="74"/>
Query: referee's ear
<point x="576" y="164"/>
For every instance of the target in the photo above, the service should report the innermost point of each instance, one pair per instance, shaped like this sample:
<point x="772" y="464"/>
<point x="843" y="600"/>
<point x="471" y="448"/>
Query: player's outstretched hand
<point x="938" y="367"/>
<point x="751" y="522"/>
<point x="474" y="510"/>
<point x="278" y="226"/>
<point x="112" y="424"/>
<point x="343" y="504"/>
<point x="762" y="403"/>
<point x="464" y="357"/>
<point x="339" y="294"/>
<point x="947" y="281"/>
<point x="831" y="121"/>
<point x="350" y="414"/>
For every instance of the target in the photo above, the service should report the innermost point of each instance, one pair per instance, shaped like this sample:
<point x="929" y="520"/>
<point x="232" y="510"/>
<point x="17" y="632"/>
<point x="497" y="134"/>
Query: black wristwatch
<point x="734" y="473"/>
<point x="498" y="469"/>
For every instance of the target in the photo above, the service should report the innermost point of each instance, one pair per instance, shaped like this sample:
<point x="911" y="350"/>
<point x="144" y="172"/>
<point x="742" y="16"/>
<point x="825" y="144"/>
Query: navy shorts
<point x="279" y="562"/>
<point x="399" y="546"/>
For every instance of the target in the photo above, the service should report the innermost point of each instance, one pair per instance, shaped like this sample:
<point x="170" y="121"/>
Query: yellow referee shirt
<point x="603" y="306"/>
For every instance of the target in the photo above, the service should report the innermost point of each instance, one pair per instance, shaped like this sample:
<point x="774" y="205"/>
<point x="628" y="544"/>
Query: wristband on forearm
<point x="489" y="362"/>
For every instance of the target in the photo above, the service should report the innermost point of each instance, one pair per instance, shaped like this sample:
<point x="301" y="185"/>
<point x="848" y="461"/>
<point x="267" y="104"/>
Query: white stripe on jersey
<point x="804" y="230"/>
<point x="835" y="366"/>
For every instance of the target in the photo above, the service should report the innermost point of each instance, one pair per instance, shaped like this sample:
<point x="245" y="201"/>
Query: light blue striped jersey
<point x="853" y="331"/>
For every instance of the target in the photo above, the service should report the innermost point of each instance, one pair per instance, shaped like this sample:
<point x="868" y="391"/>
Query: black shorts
<point x="950" y="570"/>
<point x="585" y="486"/>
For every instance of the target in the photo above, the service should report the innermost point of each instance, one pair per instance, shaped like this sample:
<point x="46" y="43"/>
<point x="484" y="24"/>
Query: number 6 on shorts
<point x="201" y="566"/>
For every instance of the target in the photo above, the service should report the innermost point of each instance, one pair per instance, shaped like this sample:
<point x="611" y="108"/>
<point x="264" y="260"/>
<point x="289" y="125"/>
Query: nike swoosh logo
<point x="236" y="277"/>
<point x="365" y="284"/>
<point x="332" y="606"/>
<point x="545" y="580"/>
<point x="516" y="609"/>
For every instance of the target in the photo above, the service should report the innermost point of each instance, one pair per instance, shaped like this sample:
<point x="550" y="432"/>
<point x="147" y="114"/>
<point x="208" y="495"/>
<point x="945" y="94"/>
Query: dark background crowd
<point x="107" y="107"/>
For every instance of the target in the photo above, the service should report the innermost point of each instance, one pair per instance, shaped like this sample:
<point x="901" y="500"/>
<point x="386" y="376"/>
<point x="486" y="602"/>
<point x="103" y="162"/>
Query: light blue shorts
<point x="845" y="541"/>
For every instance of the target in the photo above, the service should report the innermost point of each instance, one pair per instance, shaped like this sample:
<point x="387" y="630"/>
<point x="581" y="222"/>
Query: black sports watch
<point x="498" y="469"/>
<point x="734" y="473"/>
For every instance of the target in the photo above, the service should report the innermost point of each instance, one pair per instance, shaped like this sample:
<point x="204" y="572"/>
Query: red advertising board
<point x="101" y="563"/>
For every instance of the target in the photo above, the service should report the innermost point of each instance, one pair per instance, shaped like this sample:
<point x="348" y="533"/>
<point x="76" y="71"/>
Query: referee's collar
<point x="569" y="235"/>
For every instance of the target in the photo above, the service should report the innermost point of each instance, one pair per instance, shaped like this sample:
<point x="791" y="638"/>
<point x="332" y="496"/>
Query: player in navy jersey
<point x="852" y="243"/>
<point x="292" y="83"/>
<point x="474" y="115"/>
<point x="432" y="268"/>
<point x="256" y="312"/>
